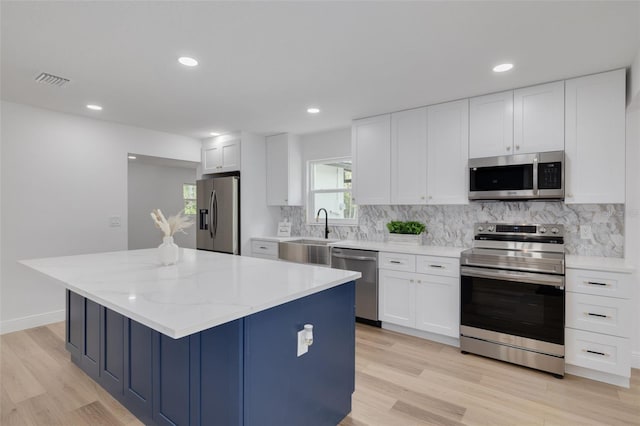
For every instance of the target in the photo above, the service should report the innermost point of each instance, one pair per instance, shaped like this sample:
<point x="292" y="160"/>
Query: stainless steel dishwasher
<point x="365" y="262"/>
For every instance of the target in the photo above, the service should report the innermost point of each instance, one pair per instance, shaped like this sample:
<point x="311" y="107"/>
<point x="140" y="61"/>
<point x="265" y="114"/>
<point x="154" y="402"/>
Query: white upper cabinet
<point x="284" y="170"/>
<point x="370" y="148"/>
<point x="538" y="118"/>
<point x="448" y="153"/>
<point x="409" y="157"/>
<point x="491" y="125"/>
<point x="595" y="139"/>
<point x="221" y="154"/>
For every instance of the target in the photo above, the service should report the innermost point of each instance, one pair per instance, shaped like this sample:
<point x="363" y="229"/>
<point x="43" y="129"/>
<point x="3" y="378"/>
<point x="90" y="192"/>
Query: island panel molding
<point x="244" y="372"/>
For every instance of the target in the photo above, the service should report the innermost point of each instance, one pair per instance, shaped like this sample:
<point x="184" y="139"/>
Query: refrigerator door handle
<point x="211" y="213"/>
<point x="215" y="212"/>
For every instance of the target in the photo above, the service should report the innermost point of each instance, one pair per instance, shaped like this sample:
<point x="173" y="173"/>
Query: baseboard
<point x="635" y="359"/>
<point x="451" y="341"/>
<point x="31" y="321"/>
<point x="612" y="379"/>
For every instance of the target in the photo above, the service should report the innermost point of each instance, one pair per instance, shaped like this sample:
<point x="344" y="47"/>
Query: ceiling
<point x="263" y="63"/>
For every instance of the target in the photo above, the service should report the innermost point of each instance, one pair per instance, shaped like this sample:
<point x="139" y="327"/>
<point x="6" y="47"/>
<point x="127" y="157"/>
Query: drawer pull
<point x="596" y="283"/>
<point x="591" y="314"/>
<point x="594" y="352"/>
<point x="397" y="262"/>
<point x="263" y="247"/>
<point x="436" y="266"/>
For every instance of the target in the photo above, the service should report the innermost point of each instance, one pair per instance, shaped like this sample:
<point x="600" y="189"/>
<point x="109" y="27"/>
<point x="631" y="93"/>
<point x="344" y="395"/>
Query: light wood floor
<point x="400" y="380"/>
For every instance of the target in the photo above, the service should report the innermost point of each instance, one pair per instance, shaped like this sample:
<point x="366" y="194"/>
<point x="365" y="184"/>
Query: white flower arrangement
<point x="176" y="223"/>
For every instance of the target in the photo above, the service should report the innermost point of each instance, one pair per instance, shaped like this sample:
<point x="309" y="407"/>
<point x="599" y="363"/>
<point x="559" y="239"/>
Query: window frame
<point x="311" y="208"/>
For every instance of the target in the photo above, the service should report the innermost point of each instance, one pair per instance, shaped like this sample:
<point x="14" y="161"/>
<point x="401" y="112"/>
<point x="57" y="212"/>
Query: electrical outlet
<point x="303" y="348"/>
<point x="114" y="221"/>
<point x="585" y="232"/>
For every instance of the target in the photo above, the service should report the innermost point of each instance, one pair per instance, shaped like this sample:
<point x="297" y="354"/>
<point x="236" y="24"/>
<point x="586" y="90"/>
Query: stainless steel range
<point x="512" y="295"/>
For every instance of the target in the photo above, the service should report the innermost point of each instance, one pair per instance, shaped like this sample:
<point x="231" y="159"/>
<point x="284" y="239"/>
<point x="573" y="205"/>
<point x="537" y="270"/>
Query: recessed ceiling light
<point x="187" y="61"/>
<point x="502" y="67"/>
<point x="214" y="134"/>
<point x="131" y="157"/>
<point x="313" y="110"/>
<point x="94" y="107"/>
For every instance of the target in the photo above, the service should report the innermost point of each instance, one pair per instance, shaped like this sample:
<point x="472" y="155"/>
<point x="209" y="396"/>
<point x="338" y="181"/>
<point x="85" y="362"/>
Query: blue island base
<point x="245" y="372"/>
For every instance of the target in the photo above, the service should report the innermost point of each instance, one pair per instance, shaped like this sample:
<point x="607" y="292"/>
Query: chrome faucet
<point x="326" y="221"/>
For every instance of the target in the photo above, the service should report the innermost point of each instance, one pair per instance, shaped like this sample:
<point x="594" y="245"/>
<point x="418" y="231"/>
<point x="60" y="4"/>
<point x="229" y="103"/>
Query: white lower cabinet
<point x="264" y="249"/>
<point x="424" y="301"/>
<point x="599" y="321"/>
<point x="397" y="297"/>
<point x="438" y="305"/>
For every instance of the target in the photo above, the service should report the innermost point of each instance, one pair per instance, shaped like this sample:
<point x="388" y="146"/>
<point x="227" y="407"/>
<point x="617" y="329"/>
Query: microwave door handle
<point x="523" y="277"/>
<point x="535" y="175"/>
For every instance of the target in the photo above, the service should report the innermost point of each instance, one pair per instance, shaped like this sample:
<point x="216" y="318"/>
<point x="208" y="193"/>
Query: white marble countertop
<point x="281" y="239"/>
<point x="203" y="290"/>
<point x="610" y="264"/>
<point x="400" y="248"/>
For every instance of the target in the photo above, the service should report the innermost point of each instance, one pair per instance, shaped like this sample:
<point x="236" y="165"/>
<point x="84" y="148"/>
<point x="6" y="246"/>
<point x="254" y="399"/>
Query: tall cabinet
<point x="409" y="156"/>
<point x="370" y="148"/>
<point x="284" y="170"/>
<point x="447" y="153"/>
<point x="595" y="138"/>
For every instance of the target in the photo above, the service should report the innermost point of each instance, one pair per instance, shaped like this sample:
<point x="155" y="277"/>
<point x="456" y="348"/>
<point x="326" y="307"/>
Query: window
<point x="330" y="188"/>
<point x="189" y="196"/>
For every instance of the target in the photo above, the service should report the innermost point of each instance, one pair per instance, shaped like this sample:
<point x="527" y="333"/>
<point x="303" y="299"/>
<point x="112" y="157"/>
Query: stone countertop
<point x="608" y="264"/>
<point x="203" y="290"/>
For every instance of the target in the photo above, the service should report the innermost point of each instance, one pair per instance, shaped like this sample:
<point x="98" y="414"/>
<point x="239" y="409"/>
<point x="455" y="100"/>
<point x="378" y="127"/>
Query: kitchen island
<point x="211" y="340"/>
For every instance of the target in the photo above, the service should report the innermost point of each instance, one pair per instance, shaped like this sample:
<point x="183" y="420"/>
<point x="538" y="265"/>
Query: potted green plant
<point x="406" y="232"/>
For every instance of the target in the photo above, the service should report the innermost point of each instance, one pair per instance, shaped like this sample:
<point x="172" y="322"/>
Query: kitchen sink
<point x="305" y="251"/>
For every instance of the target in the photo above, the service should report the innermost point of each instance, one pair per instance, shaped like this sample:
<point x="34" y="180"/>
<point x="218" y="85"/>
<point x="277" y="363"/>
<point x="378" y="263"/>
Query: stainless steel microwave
<point x="517" y="177"/>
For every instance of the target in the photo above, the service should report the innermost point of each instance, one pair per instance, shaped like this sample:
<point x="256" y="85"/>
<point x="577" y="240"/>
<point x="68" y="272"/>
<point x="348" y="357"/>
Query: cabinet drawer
<point x="598" y="352"/>
<point x="599" y="314"/>
<point x="600" y="283"/>
<point x="434" y="265"/>
<point x="261" y="248"/>
<point x="397" y="262"/>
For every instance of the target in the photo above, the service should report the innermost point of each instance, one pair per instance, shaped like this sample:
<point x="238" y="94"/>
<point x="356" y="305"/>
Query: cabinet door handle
<point x="591" y="314"/>
<point x="436" y="266"/>
<point x="410" y="281"/>
<point x="517" y="146"/>
<point x="595" y="352"/>
<point x="508" y="148"/>
<point x="263" y="247"/>
<point x="397" y="262"/>
<point x="596" y="283"/>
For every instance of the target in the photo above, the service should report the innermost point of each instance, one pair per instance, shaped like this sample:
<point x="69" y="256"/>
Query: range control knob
<point x="480" y="229"/>
<point x="490" y="228"/>
<point x="542" y="230"/>
<point x="554" y="230"/>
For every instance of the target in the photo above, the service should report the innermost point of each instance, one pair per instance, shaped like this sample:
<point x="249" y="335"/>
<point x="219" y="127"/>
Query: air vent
<point x="51" y="79"/>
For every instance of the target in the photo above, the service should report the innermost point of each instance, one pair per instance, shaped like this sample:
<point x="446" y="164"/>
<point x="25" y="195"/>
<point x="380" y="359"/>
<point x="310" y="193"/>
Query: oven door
<point x="516" y="306"/>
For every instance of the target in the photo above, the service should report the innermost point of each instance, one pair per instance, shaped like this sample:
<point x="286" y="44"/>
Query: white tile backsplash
<point x="452" y="225"/>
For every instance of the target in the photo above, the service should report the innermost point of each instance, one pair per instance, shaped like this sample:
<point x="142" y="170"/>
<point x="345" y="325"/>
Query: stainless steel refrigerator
<point x="219" y="214"/>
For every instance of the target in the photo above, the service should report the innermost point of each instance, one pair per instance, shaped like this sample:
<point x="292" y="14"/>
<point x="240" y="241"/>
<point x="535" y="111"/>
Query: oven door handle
<point x="523" y="277"/>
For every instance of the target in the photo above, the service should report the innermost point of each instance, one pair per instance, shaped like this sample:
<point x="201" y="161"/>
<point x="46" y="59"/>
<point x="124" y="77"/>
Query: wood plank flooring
<point x="400" y="380"/>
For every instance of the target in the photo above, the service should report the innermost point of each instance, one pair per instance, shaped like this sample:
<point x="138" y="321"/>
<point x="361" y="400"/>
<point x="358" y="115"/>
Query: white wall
<point x="63" y="176"/>
<point x="153" y="186"/>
